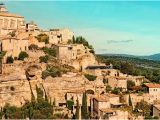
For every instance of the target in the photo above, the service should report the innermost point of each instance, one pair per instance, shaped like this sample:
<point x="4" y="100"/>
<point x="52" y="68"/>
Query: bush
<point x="10" y="59"/>
<point x="33" y="47"/>
<point x="22" y="55"/>
<point x="90" y="77"/>
<point x="116" y="90"/>
<point x="70" y="104"/>
<point x="108" y="88"/>
<point x="49" y="51"/>
<point x="43" y="38"/>
<point x="130" y="84"/>
<point x="44" y="59"/>
<point x="51" y="71"/>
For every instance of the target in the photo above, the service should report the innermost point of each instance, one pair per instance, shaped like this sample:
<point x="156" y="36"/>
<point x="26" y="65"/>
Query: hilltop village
<point x="65" y="69"/>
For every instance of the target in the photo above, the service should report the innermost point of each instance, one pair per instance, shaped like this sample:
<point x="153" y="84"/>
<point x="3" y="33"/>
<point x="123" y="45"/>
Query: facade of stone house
<point x="138" y="80"/>
<point x="104" y="101"/>
<point x="117" y="82"/>
<point x="153" y="90"/>
<point x="9" y="22"/>
<point x="57" y="36"/>
<point x="13" y="46"/>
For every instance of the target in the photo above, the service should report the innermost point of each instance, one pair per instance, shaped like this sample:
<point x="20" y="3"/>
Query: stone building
<point x="9" y="22"/>
<point x="75" y="55"/>
<point x="13" y="46"/>
<point x="153" y="90"/>
<point x="103" y="104"/>
<point x="57" y="36"/>
<point x="32" y="28"/>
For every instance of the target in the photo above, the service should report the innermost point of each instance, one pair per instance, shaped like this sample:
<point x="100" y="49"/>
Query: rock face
<point x="17" y="92"/>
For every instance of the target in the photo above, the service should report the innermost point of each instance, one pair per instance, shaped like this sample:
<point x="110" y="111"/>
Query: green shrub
<point x="116" y="90"/>
<point x="49" y="51"/>
<point x="70" y="104"/>
<point x="33" y="47"/>
<point x="22" y="55"/>
<point x="10" y="59"/>
<point x="43" y="38"/>
<point x="90" y="77"/>
<point x="130" y="84"/>
<point x="44" y="59"/>
<point x="51" y="71"/>
<point x="108" y="88"/>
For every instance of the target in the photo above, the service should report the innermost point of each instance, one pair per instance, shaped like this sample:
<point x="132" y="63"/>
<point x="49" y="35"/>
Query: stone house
<point x="138" y="80"/>
<point x="104" y="106"/>
<point x="153" y="90"/>
<point x="13" y="46"/>
<point x="57" y="36"/>
<point x="75" y="55"/>
<point x="156" y="110"/>
<point x="9" y="22"/>
<point x="117" y="82"/>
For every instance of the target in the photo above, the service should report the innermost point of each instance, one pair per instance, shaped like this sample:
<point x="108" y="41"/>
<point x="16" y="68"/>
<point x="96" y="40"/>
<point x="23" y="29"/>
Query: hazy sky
<point x="111" y="27"/>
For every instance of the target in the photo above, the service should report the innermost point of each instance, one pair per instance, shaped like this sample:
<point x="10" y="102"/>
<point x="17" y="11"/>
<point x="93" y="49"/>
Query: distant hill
<point x="155" y="57"/>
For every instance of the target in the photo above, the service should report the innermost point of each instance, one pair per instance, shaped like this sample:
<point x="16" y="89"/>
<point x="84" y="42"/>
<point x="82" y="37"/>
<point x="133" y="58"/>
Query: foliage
<point x="77" y="110"/>
<point x="130" y="101"/>
<point x="22" y="55"/>
<point x="90" y="77"/>
<point x="12" y="34"/>
<point x="51" y="71"/>
<point x="44" y="59"/>
<point x="33" y="47"/>
<point x="70" y="104"/>
<point x="10" y="59"/>
<point x="108" y="88"/>
<point x="84" y="109"/>
<point x="82" y="40"/>
<point x="49" y="51"/>
<point x="130" y="84"/>
<point x="40" y="109"/>
<point x="43" y="38"/>
<point x="143" y="108"/>
<point x="116" y="90"/>
<point x="134" y="66"/>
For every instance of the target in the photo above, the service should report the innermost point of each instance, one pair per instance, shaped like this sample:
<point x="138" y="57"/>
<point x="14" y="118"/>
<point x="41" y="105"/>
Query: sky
<point x="128" y="27"/>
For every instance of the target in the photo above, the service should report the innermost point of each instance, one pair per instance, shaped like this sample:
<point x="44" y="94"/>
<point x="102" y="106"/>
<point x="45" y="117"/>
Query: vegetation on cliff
<point x="43" y="38"/>
<point x="134" y="66"/>
<point x="40" y="108"/>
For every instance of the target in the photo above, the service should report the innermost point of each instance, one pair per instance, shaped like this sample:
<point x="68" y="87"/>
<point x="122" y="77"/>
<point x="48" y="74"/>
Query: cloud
<point x="119" y="41"/>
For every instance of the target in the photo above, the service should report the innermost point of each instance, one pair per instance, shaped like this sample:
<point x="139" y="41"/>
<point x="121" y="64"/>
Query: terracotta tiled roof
<point x="5" y="14"/>
<point x="152" y="85"/>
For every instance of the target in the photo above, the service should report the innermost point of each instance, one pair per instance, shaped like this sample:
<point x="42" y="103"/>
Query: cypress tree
<point x="130" y="101"/>
<point x="84" y="107"/>
<point x="77" y="110"/>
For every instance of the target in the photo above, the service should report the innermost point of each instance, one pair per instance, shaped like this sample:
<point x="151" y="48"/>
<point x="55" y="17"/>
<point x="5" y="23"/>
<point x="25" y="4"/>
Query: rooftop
<point x="6" y="14"/>
<point x="152" y="85"/>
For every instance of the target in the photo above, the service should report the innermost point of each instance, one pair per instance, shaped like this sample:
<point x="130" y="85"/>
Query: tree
<point x="33" y="47"/>
<point x="44" y="59"/>
<point x="90" y="77"/>
<point x="143" y="108"/>
<point x="129" y="100"/>
<point x="70" y="104"/>
<point x="84" y="109"/>
<point x="10" y="59"/>
<point x="22" y="55"/>
<point x="50" y="51"/>
<point x="43" y="38"/>
<point x="108" y="88"/>
<point x="77" y="110"/>
<point x="116" y="90"/>
<point x="130" y="84"/>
